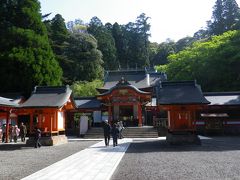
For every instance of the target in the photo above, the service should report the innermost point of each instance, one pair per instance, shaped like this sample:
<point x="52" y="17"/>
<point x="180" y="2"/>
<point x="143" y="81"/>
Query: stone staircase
<point x="129" y="132"/>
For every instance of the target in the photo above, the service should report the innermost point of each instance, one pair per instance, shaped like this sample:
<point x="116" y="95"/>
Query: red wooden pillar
<point x="31" y="122"/>
<point x="7" y="127"/>
<point x="51" y="118"/>
<point x="110" y="114"/>
<point x="139" y="115"/>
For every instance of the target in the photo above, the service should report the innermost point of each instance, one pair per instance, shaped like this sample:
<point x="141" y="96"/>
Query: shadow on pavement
<point x="214" y="144"/>
<point x="13" y="147"/>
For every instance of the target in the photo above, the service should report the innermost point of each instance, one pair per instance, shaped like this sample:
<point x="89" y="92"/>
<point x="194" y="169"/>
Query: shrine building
<point x="138" y="98"/>
<point x="46" y="109"/>
<point x="127" y="95"/>
<point x="181" y="100"/>
<point x="7" y="115"/>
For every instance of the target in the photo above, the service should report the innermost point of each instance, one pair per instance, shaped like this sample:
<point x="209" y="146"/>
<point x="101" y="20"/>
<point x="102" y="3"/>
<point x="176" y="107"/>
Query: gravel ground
<point x="217" y="158"/>
<point x="18" y="160"/>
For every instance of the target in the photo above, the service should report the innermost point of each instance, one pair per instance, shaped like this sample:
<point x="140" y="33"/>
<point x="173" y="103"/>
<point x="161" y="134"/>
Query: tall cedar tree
<point x="121" y="44"/>
<point x="106" y="43"/>
<point x="137" y="42"/>
<point x="85" y="60"/>
<point x="225" y="17"/>
<point x="59" y="36"/>
<point x="26" y="58"/>
<point x="143" y="28"/>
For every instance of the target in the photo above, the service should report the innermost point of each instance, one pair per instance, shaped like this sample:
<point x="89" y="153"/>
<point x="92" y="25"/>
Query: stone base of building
<point x="182" y="139"/>
<point x="49" y="140"/>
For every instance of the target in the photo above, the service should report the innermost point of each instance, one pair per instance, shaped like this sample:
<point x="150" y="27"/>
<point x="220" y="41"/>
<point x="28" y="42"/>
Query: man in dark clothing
<point x="37" y="137"/>
<point x="107" y="131"/>
<point x="115" y="133"/>
<point x="23" y="132"/>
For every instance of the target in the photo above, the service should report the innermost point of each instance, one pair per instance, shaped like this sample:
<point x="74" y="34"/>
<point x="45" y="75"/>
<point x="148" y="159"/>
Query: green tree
<point x="231" y="15"/>
<point x="106" y="43"/>
<point x="85" y="60"/>
<point x="225" y="17"/>
<point x="217" y="26"/>
<point x="85" y="88"/>
<point x="137" y="34"/>
<point x="26" y="58"/>
<point x="164" y="50"/>
<point x="121" y="44"/>
<point x="153" y="47"/>
<point x="183" y="43"/>
<point x="214" y="63"/>
<point x="59" y="35"/>
<point x="143" y="28"/>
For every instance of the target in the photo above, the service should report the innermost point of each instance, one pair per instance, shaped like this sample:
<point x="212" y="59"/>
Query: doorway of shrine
<point x="127" y="114"/>
<point x="26" y="120"/>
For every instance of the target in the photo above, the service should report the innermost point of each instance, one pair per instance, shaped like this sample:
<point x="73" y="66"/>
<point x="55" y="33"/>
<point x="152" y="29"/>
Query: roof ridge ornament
<point x="122" y="82"/>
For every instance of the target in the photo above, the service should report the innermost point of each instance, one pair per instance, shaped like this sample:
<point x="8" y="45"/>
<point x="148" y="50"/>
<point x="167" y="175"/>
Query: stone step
<point x="129" y="132"/>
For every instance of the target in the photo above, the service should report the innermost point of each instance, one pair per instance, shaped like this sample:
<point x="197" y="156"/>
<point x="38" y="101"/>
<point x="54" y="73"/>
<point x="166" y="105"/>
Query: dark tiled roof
<point x="48" y="96"/>
<point x="121" y="87"/>
<point x="7" y="102"/>
<point x="12" y="95"/>
<point x="137" y="78"/>
<point x="183" y="92"/>
<point x="87" y="103"/>
<point x="223" y="98"/>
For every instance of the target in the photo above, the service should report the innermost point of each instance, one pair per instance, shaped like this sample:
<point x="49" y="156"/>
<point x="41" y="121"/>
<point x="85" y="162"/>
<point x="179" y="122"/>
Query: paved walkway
<point x="97" y="162"/>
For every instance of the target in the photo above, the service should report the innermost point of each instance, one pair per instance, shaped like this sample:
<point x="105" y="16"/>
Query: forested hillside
<point x="215" y="63"/>
<point x="36" y="50"/>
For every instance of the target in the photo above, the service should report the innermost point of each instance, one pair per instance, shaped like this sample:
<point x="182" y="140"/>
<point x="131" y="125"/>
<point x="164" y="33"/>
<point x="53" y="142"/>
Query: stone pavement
<point x="97" y="162"/>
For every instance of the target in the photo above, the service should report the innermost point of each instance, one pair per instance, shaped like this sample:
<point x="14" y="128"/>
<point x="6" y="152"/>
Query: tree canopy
<point x="36" y="53"/>
<point x="214" y="63"/>
<point x="85" y="88"/>
<point x="106" y="43"/>
<point x="225" y="17"/>
<point x="84" y="58"/>
<point x="26" y="58"/>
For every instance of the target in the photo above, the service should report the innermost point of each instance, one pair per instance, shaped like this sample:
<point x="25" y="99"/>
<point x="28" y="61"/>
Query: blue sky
<point x="172" y="19"/>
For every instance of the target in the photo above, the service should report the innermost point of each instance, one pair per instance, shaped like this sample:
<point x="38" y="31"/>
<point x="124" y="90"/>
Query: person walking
<point x="4" y="133"/>
<point x="23" y="132"/>
<point x="115" y="133"/>
<point x="10" y="132"/>
<point x="15" y="133"/>
<point x="120" y="128"/>
<point x="37" y="137"/>
<point x="107" y="131"/>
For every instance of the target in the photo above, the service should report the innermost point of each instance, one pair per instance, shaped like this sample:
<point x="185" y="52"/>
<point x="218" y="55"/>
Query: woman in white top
<point x="15" y="133"/>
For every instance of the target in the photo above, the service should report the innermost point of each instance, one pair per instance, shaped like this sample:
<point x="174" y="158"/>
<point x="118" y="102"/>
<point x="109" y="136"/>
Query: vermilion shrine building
<point x="128" y="96"/>
<point x="46" y="109"/>
<point x="7" y="114"/>
<point x="136" y="97"/>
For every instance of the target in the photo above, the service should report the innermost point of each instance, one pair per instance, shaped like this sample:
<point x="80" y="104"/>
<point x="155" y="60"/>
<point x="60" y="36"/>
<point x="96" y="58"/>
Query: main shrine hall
<point x="127" y="94"/>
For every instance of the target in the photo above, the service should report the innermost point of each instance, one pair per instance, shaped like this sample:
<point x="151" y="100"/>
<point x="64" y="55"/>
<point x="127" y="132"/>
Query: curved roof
<point x="7" y="102"/>
<point x="138" y="78"/>
<point x="48" y="96"/>
<point x="122" y="87"/>
<point x="223" y="98"/>
<point x="181" y="92"/>
<point x="87" y="103"/>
